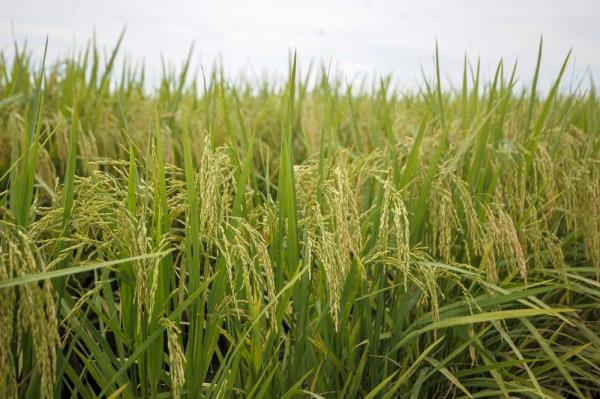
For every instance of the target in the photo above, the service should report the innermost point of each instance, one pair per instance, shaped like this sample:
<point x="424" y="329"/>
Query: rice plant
<point x="306" y="238"/>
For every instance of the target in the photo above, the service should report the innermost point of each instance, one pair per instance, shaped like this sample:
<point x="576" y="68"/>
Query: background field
<point x="298" y="238"/>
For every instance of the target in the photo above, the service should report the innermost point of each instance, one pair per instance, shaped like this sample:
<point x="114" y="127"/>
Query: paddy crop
<point x="306" y="238"/>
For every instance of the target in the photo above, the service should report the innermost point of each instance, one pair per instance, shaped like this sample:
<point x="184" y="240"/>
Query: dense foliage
<point x="307" y="238"/>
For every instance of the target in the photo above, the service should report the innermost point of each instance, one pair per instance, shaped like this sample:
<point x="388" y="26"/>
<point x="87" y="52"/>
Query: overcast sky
<point x="360" y="37"/>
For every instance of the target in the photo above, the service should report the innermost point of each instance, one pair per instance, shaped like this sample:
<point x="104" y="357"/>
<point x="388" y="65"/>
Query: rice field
<point x="306" y="238"/>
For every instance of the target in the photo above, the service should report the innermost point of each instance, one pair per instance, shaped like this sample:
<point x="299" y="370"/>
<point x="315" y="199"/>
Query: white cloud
<point x="360" y="36"/>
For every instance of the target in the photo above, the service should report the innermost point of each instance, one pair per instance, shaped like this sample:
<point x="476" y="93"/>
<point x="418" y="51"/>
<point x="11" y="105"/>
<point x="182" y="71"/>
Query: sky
<point x="360" y="38"/>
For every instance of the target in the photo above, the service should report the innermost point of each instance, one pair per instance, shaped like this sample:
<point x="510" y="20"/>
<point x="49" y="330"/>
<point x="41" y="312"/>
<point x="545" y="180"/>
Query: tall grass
<point x="307" y="239"/>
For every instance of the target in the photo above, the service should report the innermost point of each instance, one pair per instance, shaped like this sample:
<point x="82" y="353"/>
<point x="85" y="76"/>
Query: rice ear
<point x="176" y="357"/>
